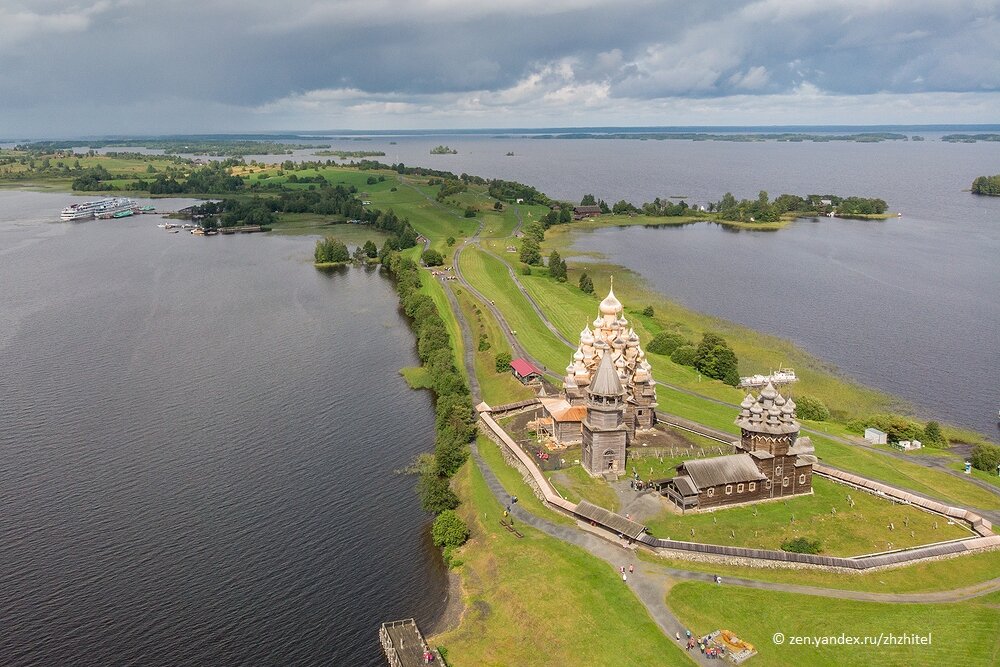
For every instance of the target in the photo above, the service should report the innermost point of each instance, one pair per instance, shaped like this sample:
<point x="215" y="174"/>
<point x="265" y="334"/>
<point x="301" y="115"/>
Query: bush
<point x="470" y="212"/>
<point x="525" y="270"/>
<point x="432" y="258"/>
<point x="808" y="407"/>
<point x="715" y="359"/>
<point x="986" y="457"/>
<point x="449" y="530"/>
<point x="666" y="342"/>
<point x="503" y="360"/>
<point x="685" y="355"/>
<point x="484" y="343"/>
<point x="933" y="437"/>
<point x="586" y="284"/>
<point x="648" y="311"/>
<point x="802" y="545"/>
<point x="896" y="427"/>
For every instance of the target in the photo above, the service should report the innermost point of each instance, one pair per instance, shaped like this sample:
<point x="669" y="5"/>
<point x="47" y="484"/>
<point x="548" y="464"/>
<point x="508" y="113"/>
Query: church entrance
<point x="610" y="463"/>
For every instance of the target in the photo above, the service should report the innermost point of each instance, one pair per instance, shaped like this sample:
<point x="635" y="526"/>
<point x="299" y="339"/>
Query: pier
<point x="404" y="646"/>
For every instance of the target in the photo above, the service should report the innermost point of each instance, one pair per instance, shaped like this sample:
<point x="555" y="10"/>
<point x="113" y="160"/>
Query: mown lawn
<point x="847" y="532"/>
<point x="575" y="485"/>
<point x="961" y="634"/>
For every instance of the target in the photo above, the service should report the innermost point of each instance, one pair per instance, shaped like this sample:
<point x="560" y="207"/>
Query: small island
<point x="510" y="154"/>
<point x="987" y="185"/>
<point x="348" y="154"/>
<point x="443" y="150"/>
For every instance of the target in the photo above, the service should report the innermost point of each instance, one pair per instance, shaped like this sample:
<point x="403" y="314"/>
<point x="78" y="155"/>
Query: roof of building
<point x="587" y="209"/>
<point x="606" y="381"/>
<point x="705" y="473"/>
<point x="769" y="413"/>
<point x="615" y="522"/>
<point x="523" y="367"/>
<point x="562" y="411"/>
<point x="685" y="485"/>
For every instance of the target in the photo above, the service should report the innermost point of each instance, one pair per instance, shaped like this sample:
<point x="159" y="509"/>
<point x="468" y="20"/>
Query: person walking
<point x="630" y="568"/>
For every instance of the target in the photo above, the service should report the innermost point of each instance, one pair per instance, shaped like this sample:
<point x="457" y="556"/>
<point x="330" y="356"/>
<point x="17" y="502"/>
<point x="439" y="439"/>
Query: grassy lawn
<point x="306" y="224"/>
<point x="417" y="377"/>
<point x="537" y="601"/>
<point x="515" y="485"/>
<point x="497" y="388"/>
<point x="489" y="275"/>
<point x="963" y="633"/>
<point x="575" y="485"/>
<point x="848" y="532"/>
<point x="922" y="577"/>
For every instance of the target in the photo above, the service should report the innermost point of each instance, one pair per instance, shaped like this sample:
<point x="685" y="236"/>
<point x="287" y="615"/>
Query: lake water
<point x="909" y="305"/>
<point x="199" y="438"/>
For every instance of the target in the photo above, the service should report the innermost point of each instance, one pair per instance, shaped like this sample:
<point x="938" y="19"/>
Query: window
<point x="753" y="486"/>
<point x="767" y="484"/>
<point x="777" y="471"/>
<point x="729" y="489"/>
<point x="802" y="479"/>
<point x="711" y="492"/>
<point x="739" y="488"/>
<point x="784" y="482"/>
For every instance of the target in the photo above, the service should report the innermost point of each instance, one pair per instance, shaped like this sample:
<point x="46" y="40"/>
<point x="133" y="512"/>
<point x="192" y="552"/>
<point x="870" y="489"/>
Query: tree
<point x="330" y="250"/>
<point x="530" y="252"/>
<point x="502" y="362"/>
<point x="985" y="457"/>
<point x="449" y="530"/>
<point x="371" y="250"/>
<point x="808" y="407"/>
<point x="534" y="230"/>
<point x="586" y="284"/>
<point x="435" y="494"/>
<point x="497" y="206"/>
<point x="450" y="241"/>
<point x="648" y="311"/>
<point x="557" y="267"/>
<point x="933" y="437"/>
<point x="432" y="257"/>
<point x="715" y="359"/>
<point x="588" y="200"/>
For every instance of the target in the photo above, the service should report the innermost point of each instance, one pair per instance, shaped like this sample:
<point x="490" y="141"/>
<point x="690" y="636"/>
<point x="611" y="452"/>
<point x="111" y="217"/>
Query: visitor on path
<point x="625" y="578"/>
<point x="630" y="568"/>
<point x="718" y="580"/>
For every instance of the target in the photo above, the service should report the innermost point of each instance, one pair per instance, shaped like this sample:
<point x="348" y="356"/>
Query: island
<point x="348" y="154"/>
<point x="443" y="150"/>
<point x="986" y="185"/>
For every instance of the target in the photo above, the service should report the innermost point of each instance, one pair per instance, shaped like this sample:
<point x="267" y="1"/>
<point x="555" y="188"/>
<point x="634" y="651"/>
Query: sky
<point x="72" y="68"/>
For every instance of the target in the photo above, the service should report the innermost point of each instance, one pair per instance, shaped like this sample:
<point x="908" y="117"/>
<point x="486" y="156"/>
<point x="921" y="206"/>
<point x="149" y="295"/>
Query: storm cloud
<point x="129" y="66"/>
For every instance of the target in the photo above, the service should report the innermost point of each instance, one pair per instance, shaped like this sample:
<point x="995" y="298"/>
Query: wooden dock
<point x="404" y="646"/>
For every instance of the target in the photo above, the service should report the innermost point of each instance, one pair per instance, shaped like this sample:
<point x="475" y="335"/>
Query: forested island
<point x="986" y="185"/>
<point x="969" y="138"/>
<point x="349" y="154"/>
<point x="443" y="150"/>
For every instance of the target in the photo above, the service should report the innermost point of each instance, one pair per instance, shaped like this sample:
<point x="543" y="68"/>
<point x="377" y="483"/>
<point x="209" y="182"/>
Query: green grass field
<point x="848" y="532"/>
<point x="574" y="484"/>
<point x="961" y="634"/>
<point x="538" y="601"/>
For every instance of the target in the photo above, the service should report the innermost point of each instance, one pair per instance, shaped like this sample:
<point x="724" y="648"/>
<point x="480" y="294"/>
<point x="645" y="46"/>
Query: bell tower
<point x="604" y="429"/>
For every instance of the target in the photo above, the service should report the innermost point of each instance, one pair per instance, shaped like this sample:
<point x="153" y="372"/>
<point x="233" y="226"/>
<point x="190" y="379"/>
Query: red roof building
<point x="524" y="371"/>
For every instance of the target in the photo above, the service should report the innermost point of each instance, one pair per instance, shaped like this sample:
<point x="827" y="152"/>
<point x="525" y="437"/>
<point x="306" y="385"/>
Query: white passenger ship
<point x="100" y="207"/>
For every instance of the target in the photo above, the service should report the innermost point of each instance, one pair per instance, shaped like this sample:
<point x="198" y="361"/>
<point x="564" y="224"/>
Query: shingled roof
<point x="606" y="381"/>
<point x="730" y="469"/>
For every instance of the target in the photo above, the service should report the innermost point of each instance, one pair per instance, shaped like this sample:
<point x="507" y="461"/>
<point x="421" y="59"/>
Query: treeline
<point x="455" y="422"/>
<point x="986" y="185"/>
<point x="764" y="210"/>
<point x="213" y="178"/>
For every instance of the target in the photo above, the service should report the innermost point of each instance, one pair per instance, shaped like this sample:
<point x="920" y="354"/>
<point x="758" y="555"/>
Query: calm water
<point x="198" y="441"/>
<point x="910" y="305"/>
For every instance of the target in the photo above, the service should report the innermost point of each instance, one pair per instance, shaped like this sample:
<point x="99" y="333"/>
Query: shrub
<point x="586" y="284"/>
<point x="525" y="270"/>
<point x="808" y="407"/>
<point x="666" y="342"/>
<point x="715" y="359"/>
<point x="896" y="427"/>
<point x="470" y="212"/>
<point x="484" y="343"/>
<point x="502" y="363"/>
<point x="802" y="545"/>
<point x="986" y="457"/>
<point x="648" y="311"/>
<point x="933" y="437"/>
<point x="685" y="355"/>
<point x="432" y="258"/>
<point x="449" y="530"/>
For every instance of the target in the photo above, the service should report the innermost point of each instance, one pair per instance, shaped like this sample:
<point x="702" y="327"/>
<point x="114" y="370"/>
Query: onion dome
<point x="578" y="355"/>
<point x="611" y="305"/>
<point x="618" y="342"/>
<point x="586" y="336"/>
<point x="768" y="393"/>
<point x="598" y="323"/>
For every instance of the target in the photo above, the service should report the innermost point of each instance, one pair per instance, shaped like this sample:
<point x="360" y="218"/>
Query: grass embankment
<point x="538" y="601"/>
<point x="496" y="388"/>
<point x="574" y="484"/>
<point x="846" y="532"/>
<point x="962" y="633"/>
<point x="928" y="576"/>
